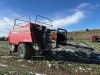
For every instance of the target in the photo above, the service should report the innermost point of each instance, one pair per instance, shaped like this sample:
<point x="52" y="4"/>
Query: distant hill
<point x="83" y="34"/>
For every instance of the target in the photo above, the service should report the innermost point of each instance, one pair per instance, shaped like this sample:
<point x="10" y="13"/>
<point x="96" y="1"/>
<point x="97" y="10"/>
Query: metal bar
<point x="18" y="23"/>
<point x="46" y="23"/>
<point x="42" y="22"/>
<point x="44" y="17"/>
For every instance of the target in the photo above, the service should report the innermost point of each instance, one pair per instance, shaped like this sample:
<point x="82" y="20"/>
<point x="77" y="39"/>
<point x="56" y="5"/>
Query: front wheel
<point x="12" y="48"/>
<point x="24" y="51"/>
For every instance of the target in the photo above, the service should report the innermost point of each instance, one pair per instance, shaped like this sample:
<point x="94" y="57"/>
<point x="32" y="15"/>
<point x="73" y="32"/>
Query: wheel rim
<point x="21" y="53"/>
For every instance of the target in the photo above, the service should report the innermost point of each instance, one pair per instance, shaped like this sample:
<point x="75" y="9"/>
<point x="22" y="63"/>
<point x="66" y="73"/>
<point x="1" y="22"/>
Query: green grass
<point x="13" y="65"/>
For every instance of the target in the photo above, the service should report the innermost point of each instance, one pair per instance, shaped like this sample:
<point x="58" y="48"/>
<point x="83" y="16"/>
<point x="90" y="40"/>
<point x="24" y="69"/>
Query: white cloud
<point x="82" y="5"/>
<point x="69" y="20"/>
<point x="97" y="5"/>
<point x="87" y="7"/>
<point x="80" y="12"/>
<point x="6" y="19"/>
<point x="6" y="24"/>
<point x="1" y="34"/>
<point x="13" y="13"/>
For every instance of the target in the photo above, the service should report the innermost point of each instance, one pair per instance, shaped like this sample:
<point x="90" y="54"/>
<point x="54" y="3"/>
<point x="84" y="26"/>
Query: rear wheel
<point x="24" y="51"/>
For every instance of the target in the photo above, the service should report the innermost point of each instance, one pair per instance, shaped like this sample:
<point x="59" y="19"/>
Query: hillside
<point x="78" y="35"/>
<point x="83" y="37"/>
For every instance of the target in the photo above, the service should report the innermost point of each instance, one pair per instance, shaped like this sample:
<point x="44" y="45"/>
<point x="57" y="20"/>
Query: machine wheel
<point x="12" y="48"/>
<point x="24" y="51"/>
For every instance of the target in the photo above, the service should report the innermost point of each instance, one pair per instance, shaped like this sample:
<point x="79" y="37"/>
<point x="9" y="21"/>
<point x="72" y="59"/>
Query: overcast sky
<point x="69" y="14"/>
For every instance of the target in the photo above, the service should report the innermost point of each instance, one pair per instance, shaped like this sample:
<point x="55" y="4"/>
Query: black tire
<point x="24" y="51"/>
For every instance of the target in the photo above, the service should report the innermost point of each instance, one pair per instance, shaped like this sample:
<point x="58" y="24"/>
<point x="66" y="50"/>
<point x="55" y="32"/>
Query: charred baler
<point x="33" y="39"/>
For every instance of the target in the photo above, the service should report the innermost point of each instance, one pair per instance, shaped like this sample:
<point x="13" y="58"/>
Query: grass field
<point x="13" y="65"/>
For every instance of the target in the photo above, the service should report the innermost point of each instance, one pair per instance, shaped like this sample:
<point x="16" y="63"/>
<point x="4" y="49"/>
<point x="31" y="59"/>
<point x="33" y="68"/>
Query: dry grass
<point x="13" y="65"/>
<point x="79" y="35"/>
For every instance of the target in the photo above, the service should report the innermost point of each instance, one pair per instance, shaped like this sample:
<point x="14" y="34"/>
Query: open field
<point x="79" y="57"/>
<point x="65" y="61"/>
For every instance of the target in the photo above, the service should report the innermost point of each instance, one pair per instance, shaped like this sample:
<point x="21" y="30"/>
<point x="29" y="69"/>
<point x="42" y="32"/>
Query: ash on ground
<point x="75" y="53"/>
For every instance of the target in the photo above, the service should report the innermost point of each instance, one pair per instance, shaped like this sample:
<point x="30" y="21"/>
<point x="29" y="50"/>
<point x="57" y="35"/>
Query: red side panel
<point x="22" y="34"/>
